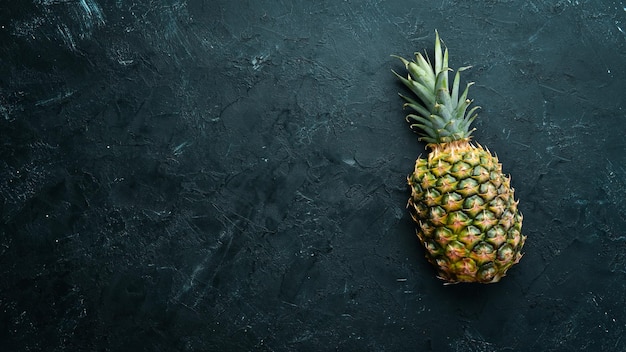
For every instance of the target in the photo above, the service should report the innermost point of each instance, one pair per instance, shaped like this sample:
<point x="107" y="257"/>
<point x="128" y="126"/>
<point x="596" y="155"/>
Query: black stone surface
<point x="188" y="175"/>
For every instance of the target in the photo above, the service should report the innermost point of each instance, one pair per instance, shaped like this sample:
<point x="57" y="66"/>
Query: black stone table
<point x="213" y="175"/>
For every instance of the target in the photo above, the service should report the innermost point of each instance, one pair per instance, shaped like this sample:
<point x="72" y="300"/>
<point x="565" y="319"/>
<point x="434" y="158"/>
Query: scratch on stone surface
<point x="551" y="88"/>
<point x="172" y="15"/>
<point x="178" y="150"/>
<point x="92" y="13"/>
<point x="67" y="36"/>
<point x="233" y="223"/>
<point x="615" y="187"/>
<point x="58" y="98"/>
<point x="533" y="37"/>
<point x="198" y="276"/>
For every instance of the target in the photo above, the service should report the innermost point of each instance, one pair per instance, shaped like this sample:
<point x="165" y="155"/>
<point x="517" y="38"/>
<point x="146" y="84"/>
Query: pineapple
<point x="464" y="206"/>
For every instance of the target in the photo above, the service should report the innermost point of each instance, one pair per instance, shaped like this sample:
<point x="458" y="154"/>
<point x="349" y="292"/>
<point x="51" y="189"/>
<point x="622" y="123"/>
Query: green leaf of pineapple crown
<point x="441" y="115"/>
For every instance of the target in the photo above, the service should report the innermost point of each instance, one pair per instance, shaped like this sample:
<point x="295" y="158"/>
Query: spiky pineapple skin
<point x="467" y="216"/>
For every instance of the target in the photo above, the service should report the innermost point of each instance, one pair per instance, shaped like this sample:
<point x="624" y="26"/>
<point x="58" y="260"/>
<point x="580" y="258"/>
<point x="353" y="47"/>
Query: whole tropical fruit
<point x="463" y="204"/>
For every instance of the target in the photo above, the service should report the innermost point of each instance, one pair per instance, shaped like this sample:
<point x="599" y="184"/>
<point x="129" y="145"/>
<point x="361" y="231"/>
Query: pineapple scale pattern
<point x="466" y="213"/>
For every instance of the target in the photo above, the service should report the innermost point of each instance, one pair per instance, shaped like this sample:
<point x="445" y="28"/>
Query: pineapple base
<point x="466" y="215"/>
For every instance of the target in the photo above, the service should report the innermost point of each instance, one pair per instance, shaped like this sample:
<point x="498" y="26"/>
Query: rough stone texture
<point x="230" y="175"/>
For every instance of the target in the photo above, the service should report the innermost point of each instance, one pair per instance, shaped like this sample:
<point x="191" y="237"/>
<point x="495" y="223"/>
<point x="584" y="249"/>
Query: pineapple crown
<point x="441" y="115"/>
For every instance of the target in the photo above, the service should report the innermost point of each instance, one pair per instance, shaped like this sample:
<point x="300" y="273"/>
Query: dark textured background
<point x="189" y="175"/>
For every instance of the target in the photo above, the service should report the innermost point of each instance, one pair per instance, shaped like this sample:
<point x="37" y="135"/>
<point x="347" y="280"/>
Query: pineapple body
<point x="466" y="215"/>
<point x="464" y="206"/>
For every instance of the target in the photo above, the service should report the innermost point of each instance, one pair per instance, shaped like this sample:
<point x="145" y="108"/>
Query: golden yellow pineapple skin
<point x="466" y="213"/>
